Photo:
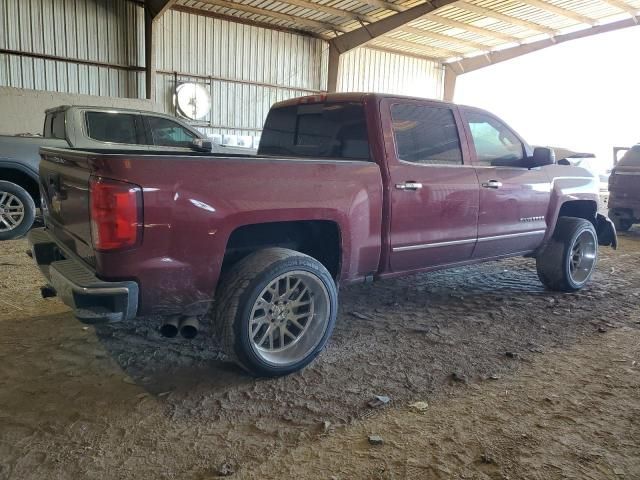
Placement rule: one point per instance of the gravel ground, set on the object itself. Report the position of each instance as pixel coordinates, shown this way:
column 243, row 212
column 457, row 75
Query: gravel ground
column 122, row 402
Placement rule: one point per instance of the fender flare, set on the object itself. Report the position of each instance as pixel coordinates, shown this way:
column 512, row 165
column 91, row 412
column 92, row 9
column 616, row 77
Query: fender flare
column 7, row 163
column 606, row 230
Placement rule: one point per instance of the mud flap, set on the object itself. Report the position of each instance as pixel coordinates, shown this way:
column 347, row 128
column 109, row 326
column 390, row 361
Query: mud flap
column 606, row 231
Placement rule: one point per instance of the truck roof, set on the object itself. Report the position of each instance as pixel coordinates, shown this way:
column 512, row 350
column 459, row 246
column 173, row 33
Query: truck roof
column 101, row 108
column 349, row 97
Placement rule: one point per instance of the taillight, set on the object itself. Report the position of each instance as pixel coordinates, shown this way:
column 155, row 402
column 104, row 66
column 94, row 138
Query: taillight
column 116, row 213
column 612, row 179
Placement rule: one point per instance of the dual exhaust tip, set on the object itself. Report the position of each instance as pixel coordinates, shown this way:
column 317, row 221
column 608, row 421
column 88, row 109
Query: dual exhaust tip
column 187, row 327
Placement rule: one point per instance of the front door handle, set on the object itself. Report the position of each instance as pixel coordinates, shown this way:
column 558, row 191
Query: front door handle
column 409, row 186
column 492, row 184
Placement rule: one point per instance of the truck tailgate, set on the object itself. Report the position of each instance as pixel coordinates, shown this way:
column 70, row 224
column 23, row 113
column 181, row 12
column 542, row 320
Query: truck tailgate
column 64, row 179
column 625, row 182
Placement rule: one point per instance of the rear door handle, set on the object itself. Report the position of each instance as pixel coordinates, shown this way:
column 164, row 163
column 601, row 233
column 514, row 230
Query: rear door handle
column 409, row 186
column 492, row 184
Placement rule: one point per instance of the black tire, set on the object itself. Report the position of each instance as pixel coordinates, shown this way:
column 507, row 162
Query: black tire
column 621, row 224
column 241, row 288
column 29, row 206
column 554, row 263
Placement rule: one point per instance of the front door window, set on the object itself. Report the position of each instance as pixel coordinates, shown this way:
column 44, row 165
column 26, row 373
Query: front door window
column 496, row 145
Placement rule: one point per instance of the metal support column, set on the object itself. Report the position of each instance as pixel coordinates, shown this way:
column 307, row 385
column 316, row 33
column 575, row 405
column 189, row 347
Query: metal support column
column 450, row 77
column 149, row 55
column 334, row 67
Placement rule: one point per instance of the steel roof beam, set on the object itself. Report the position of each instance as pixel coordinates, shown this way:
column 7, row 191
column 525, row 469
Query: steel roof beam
column 469, row 7
column 336, row 12
column 443, row 38
column 472, row 28
column 157, row 7
column 366, row 33
column 294, row 19
column 475, row 63
column 539, row 4
column 625, row 7
column 385, row 5
column 429, row 50
column 246, row 21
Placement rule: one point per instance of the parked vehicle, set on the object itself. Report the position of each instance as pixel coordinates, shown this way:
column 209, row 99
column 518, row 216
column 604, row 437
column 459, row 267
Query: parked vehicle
column 587, row 161
column 624, row 190
column 346, row 188
column 85, row 128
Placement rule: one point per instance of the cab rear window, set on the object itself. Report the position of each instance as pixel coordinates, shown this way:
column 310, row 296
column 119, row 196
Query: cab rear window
column 631, row 158
column 319, row 130
column 54, row 126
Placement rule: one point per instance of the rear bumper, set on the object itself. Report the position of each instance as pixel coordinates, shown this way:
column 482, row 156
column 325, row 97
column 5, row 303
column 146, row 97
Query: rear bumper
column 91, row 299
column 623, row 206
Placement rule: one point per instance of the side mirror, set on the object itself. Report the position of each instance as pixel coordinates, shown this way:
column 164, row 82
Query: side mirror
column 542, row 156
column 202, row 145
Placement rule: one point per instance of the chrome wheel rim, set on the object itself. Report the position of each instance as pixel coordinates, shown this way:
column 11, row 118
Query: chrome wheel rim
column 583, row 257
column 289, row 318
column 11, row 212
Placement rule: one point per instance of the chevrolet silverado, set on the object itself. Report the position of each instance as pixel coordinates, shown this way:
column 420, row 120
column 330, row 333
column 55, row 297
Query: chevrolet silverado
column 345, row 188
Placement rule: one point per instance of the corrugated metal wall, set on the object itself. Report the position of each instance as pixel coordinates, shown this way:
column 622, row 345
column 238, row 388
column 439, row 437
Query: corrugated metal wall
column 369, row 70
column 246, row 68
column 109, row 32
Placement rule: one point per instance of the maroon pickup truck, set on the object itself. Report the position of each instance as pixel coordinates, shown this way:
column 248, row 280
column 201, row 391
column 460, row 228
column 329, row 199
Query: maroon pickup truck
column 345, row 188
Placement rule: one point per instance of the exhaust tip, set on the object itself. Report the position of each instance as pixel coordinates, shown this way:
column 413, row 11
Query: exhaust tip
column 189, row 327
column 170, row 328
column 47, row 291
column 188, row 332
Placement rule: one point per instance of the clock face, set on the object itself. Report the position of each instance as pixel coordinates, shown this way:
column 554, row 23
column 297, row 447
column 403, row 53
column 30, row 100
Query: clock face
column 193, row 100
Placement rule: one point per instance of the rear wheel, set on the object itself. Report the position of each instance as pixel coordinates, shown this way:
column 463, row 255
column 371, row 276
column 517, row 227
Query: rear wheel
column 568, row 261
column 17, row 211
column 275, row 311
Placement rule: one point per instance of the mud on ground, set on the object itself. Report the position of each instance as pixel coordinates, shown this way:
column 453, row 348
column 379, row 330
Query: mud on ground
column 121, row 402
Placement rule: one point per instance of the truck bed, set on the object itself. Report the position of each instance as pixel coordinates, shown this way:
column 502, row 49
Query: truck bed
column 192, row 204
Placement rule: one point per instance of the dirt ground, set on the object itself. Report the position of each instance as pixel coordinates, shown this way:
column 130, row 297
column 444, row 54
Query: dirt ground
column 519, row 383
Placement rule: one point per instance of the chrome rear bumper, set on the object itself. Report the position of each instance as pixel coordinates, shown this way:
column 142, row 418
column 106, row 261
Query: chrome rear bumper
column 92, row 300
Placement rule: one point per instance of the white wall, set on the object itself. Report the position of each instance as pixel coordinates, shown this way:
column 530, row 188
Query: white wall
column 22, row 111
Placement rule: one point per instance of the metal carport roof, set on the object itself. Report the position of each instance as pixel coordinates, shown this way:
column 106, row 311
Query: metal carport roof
column 462, row 35
column 451, row 31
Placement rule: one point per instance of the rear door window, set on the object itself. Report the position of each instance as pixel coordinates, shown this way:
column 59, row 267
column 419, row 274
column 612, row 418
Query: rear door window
column 319, row 130
column 426, row 135
column 113, row 127
column 168, row 133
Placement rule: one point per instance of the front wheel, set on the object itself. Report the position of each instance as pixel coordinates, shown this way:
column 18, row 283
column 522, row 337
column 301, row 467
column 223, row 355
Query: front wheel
column 569, row 259
column 17, row 211
column 275, row 311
